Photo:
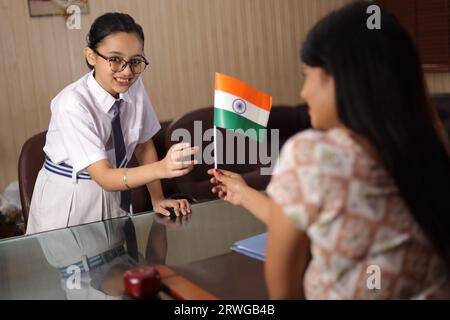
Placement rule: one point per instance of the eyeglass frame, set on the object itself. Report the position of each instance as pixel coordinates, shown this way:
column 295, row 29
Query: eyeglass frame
column 123, row 60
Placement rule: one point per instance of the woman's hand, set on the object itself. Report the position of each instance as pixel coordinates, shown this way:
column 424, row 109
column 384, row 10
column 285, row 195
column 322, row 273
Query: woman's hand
column 180, row 206
column 173, row 164
column 229, row 185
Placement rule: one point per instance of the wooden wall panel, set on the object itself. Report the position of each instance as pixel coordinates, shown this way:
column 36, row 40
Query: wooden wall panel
column 186, row 42
column 433, row 31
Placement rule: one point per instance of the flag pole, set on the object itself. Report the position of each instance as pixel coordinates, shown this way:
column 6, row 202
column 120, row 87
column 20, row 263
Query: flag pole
column 215, row 147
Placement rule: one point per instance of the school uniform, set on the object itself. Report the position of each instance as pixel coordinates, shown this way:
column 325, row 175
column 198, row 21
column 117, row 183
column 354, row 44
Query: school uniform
column 80, row 134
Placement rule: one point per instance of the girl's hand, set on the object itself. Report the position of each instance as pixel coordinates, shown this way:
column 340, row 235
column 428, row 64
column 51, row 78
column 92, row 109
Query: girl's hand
column 172, row 222
column 173, row 164
column 180, row 206
column 229, row 185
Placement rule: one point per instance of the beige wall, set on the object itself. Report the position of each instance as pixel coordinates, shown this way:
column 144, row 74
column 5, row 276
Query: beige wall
column 186, row 42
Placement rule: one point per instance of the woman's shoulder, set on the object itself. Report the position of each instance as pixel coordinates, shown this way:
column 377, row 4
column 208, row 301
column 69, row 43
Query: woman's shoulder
column 328, row 149
column 335, row 152
column 336, row 139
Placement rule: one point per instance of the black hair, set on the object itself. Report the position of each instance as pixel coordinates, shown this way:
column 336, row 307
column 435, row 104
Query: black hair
column 381, row 95
column 110, row 23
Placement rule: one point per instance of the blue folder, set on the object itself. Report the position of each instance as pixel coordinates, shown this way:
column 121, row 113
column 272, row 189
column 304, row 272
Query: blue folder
column 254, row 247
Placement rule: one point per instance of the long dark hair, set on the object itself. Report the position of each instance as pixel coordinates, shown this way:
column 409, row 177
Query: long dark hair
column 110, row 23
column 381, row 95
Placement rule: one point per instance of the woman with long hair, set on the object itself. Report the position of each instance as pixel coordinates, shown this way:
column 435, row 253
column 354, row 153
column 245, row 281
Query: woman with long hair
column 358, row 207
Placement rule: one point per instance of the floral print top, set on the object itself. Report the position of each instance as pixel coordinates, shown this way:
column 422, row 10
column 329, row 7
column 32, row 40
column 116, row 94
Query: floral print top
column 365, row 244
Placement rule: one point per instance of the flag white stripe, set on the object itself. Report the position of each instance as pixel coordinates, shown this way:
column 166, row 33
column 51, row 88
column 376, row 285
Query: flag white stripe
column 224, row 100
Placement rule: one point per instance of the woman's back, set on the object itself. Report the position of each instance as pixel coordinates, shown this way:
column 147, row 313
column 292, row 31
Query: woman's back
column 353, row 213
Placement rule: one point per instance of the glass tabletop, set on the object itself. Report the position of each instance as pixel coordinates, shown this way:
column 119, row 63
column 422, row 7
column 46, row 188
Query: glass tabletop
column 88, row 261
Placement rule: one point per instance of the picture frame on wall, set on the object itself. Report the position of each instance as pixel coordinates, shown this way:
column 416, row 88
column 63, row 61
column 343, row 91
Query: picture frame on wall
column 42, row 8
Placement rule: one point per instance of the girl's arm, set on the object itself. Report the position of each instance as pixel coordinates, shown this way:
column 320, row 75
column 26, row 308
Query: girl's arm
column 111, row 179
column 146, row 154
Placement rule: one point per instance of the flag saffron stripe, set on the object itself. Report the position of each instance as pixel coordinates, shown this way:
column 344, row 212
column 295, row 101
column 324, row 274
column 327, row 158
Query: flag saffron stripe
column 225, row 100
column 243, row 90
column 232, row 121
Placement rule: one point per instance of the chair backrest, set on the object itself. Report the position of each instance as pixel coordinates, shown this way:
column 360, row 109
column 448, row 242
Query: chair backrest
column 289, row 120
column 31, row 160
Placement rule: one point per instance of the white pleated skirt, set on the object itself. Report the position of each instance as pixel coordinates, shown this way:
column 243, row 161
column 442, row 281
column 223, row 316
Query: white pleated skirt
column 58, row 203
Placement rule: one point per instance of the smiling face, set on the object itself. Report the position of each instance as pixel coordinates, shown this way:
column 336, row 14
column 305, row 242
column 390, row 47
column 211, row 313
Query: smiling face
column 122, row 45
column 319, row 93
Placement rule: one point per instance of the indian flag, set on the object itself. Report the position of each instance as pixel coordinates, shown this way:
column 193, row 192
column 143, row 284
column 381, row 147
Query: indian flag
column 240, row 107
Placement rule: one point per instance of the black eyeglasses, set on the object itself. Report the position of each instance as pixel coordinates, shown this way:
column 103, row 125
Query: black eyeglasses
column 117, row 64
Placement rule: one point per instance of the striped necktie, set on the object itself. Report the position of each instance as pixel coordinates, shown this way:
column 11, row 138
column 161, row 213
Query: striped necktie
column 120, row 152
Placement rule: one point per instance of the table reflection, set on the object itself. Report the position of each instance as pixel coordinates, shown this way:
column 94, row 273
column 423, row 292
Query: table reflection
column 88, row 261
column 92, row 259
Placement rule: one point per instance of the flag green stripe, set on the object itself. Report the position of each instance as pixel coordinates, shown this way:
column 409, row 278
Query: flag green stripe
column 233, row 121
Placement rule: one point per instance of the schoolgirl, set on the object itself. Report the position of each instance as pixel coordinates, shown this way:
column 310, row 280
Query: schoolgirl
column 96, row 125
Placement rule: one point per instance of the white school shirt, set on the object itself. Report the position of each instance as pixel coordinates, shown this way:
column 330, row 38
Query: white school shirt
column 79, row 133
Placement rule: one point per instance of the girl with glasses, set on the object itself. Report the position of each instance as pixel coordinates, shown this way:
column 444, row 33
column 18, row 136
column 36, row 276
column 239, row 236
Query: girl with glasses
column 97, row 124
